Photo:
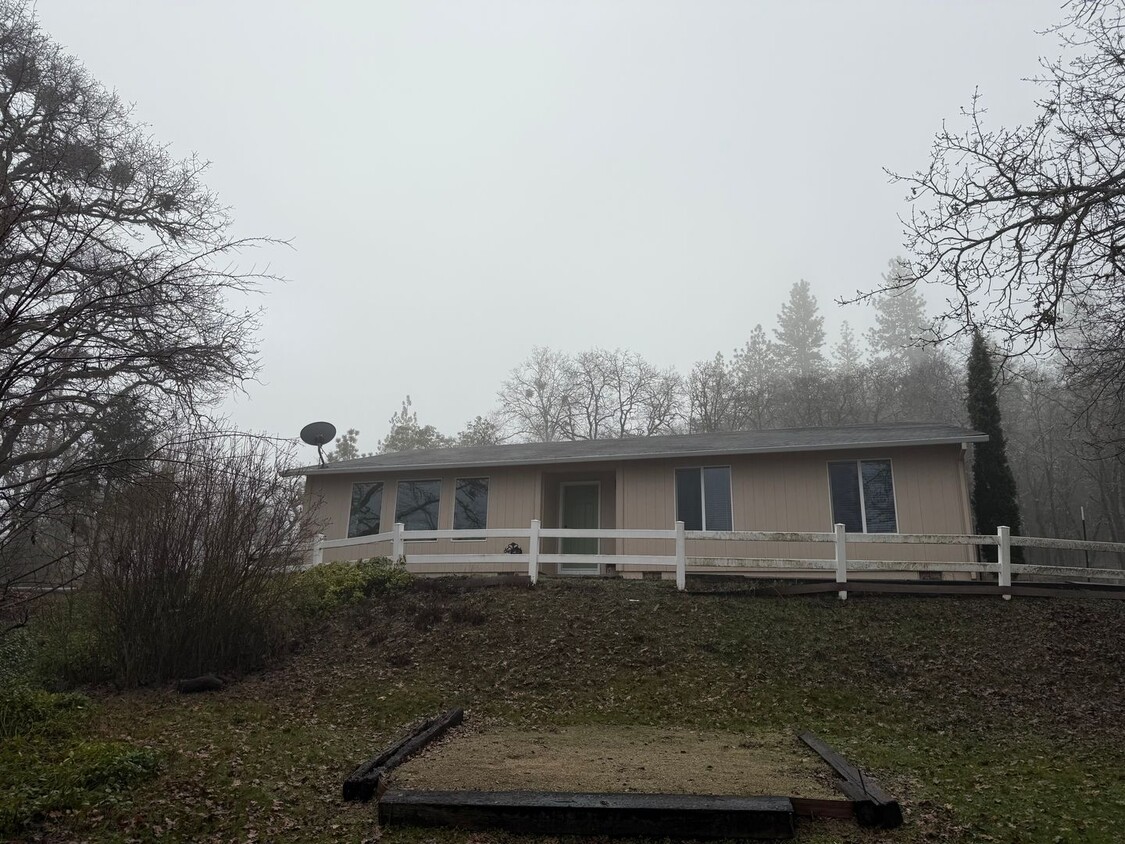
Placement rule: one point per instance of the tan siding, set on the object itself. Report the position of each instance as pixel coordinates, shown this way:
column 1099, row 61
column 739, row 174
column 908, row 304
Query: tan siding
column 512, row 502
column 770, row 492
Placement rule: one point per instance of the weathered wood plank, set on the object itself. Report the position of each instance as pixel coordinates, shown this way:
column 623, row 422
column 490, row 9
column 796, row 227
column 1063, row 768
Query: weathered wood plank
column 813, row 807
column 1068, row 544
column 369, row 778
column 873, row 806
column 760, row 535
column 600, row 814
column 1067, row 571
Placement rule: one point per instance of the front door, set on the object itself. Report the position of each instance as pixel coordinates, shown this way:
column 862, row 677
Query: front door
column 579, row 507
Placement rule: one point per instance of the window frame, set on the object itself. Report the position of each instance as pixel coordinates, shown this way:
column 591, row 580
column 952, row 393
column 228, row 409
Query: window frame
column 858, row 461
column 453, row 516
column 437, row 520
column 382, row 492
column 703, row 493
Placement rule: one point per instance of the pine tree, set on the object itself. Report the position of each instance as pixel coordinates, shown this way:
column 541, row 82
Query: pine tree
column 800, row 332
column 900, row 319
column 407, row 435
column 995, row 501
column 846, row 354
column 755, row 369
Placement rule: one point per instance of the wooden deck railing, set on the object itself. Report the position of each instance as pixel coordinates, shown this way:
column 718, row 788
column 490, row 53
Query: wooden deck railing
column 679, row 561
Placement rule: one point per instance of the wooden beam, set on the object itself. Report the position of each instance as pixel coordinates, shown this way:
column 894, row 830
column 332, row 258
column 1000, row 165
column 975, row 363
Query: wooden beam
column 369, row 779
column 563, row 813
column 811, row 807
column 873, row 806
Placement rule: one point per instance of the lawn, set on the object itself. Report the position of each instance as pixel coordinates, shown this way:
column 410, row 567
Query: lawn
column 991, row 720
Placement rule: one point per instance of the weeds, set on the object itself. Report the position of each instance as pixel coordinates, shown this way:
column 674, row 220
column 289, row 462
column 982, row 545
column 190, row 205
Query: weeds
column 45, row 763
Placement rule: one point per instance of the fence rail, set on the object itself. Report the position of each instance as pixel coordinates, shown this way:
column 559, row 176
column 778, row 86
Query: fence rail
column 681, row 563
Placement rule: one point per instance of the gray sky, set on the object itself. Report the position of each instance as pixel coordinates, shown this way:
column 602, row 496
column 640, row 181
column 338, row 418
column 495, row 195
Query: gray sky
column 464, row 180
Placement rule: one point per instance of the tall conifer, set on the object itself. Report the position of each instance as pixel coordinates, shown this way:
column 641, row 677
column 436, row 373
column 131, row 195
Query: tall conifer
column 995, row 501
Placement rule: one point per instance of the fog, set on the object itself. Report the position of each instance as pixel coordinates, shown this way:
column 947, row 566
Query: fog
column 459, row 182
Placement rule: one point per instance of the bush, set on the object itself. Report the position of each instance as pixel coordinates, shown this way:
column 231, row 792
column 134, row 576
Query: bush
column 45, row 766
column 191, row 563
column 27, row 712
column 70, row 642
column 323, row 589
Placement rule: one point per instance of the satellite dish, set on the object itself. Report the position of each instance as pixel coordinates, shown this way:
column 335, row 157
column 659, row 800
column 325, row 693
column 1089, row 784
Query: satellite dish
column 318, row 434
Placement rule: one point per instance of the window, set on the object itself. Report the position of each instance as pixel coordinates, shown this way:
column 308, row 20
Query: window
column 470, row 508
column 703, row 498
column 367, row 501
column 417, row 504
column 863, row 496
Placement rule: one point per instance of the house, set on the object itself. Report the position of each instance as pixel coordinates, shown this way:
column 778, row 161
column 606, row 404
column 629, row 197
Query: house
column 901, row 478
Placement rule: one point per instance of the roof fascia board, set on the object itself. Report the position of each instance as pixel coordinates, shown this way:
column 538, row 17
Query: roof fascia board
column 555, row 461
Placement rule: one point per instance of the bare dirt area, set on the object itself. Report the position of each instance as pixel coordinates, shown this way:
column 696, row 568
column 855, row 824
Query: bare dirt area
column 619, row 758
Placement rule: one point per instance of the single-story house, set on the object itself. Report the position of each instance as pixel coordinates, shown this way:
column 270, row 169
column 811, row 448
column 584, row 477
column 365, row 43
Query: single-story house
column 900, row 478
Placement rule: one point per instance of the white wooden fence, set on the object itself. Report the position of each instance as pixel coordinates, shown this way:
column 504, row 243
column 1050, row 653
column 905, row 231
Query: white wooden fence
column 681, row 563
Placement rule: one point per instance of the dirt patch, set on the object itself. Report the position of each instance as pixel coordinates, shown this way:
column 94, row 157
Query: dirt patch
column 602, row 758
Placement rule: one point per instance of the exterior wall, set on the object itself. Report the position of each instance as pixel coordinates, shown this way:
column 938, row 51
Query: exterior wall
column 790, row 492
column 769, row 492
column 513, row 501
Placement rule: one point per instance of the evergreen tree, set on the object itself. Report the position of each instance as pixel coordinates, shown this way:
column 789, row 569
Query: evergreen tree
column 347, row 448
column 407, row 435
column 995, row 501
column 800, row 332
column 900, row 319
column 755, row 367
column 846, row 354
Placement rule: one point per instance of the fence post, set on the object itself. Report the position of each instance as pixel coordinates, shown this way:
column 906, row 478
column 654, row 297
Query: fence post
column 396, row 542
column 841, row 561
column 681, row 557
column 317, row 549
column 533, row 552
column 1003, row 535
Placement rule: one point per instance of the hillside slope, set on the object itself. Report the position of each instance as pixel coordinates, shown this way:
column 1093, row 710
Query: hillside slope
column 992, row 720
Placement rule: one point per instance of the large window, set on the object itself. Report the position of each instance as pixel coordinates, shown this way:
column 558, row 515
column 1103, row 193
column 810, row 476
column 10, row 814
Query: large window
column 417, row 504
column 703, row 498
column 470, row 509
column 367, row 501
column 863, row 496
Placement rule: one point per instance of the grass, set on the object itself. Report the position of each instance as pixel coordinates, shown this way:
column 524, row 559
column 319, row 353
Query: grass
column 993, row 721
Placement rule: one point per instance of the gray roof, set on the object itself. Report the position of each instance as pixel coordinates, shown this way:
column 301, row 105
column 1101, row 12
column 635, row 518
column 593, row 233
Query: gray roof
column 641, row 448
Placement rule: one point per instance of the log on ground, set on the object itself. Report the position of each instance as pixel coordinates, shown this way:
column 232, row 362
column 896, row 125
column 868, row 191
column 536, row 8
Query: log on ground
column 369, row 778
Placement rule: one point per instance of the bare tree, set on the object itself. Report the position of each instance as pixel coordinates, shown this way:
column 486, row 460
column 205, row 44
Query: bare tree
column 115, row 288
column 715, row 395
column 619, row 394
column 1025, row 226
column 535, row 401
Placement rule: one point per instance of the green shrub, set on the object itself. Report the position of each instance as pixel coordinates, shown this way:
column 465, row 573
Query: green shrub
column 17, row 656
column 322, row 589
column 46, row 766
column 71, row 641
column 26, row 712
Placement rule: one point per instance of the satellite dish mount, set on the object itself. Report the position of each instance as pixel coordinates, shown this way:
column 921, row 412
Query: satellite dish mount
column 318, row 434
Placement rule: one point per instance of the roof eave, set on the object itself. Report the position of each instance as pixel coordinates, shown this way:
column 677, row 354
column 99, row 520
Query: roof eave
column 554, row 461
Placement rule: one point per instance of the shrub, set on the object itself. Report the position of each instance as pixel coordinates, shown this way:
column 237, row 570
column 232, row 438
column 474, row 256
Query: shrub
column 69, row 641
column 190, row 564
column 322, row 589
column 28, row 712
column 45, row 766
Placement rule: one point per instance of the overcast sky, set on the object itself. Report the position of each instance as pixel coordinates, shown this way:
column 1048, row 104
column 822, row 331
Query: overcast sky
column 464, row 180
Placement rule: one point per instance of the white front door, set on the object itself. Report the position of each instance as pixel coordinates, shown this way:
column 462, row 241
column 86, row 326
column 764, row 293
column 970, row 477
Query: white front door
column 579, row 507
